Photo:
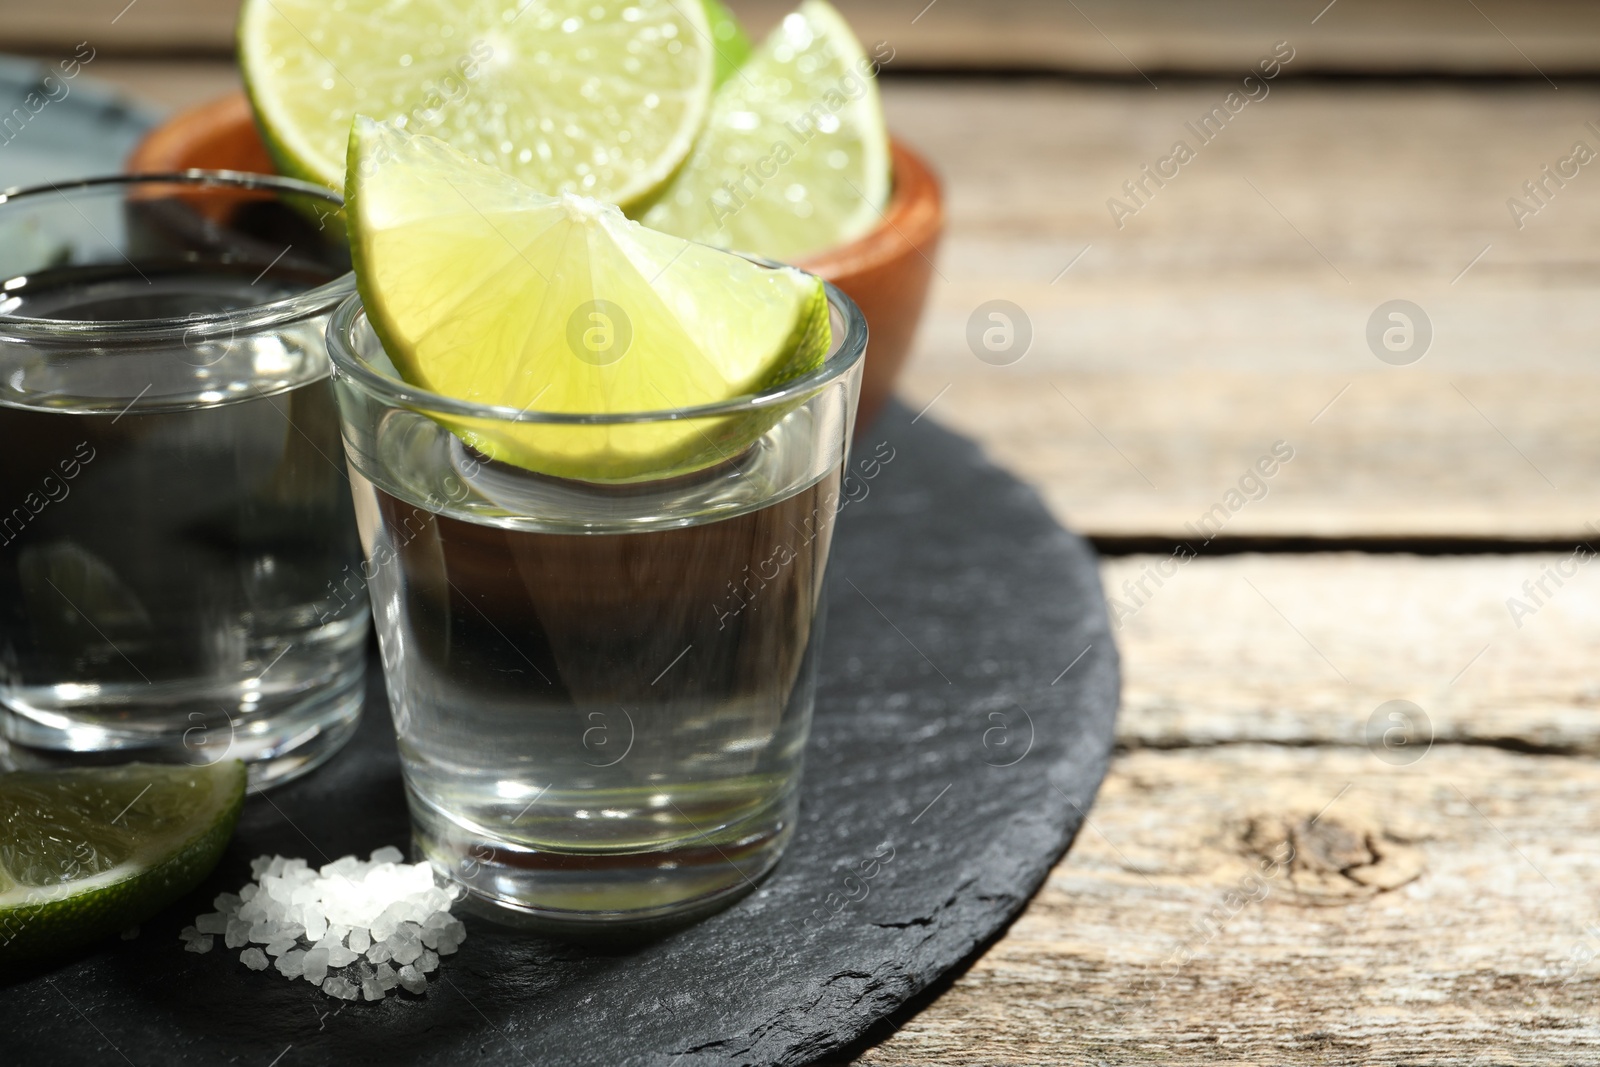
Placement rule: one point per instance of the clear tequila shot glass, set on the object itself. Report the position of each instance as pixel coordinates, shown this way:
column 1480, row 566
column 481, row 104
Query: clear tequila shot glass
column 601, row 692
column 179, row 568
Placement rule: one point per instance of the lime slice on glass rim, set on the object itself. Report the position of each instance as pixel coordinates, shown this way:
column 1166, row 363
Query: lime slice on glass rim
column 600, row 97
column 795, row 155
column 86, row 853
column 483, row 289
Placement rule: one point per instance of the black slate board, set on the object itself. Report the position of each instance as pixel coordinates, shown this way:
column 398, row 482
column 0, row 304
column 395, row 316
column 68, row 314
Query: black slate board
column 952, row 743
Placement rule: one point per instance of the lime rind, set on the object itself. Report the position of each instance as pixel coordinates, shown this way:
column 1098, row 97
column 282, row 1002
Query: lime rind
column 601, row 97
column 144, row 853
column 795, row 154
column 487, row 291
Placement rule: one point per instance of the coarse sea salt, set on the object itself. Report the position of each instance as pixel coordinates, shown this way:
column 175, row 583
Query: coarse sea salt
column 337, row 926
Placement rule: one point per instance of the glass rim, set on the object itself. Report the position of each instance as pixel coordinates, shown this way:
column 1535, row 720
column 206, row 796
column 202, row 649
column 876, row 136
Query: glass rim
column 845, row 354
column 174, row 328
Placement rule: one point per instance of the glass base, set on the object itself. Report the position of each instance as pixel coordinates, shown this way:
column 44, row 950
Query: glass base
column 281, row 734
column 572, row 892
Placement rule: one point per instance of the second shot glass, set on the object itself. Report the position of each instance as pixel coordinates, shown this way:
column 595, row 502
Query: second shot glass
column 178, row 558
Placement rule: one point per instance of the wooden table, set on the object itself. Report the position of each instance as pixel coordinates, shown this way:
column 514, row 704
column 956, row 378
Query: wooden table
column 1277, row 871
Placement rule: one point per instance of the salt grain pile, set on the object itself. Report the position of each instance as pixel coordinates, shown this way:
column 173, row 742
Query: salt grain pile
column 351, row 928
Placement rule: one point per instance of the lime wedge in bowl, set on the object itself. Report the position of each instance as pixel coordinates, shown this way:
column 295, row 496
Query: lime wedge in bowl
column 485, row 290
column 600, row 97
column 795, row 155
column 86, row 853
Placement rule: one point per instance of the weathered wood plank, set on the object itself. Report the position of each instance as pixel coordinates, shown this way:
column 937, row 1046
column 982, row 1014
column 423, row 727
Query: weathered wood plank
column 1121, row 39
column 1471, row 938
column 1168, row 936
column 1305, row 650
column 1233, row 307
column 1271, row 247
column 1403, row 452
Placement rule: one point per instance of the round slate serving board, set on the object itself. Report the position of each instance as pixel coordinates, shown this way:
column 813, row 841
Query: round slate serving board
column 964, row 723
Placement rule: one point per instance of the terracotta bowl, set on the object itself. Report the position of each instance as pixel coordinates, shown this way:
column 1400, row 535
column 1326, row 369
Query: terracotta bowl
column 887, row 271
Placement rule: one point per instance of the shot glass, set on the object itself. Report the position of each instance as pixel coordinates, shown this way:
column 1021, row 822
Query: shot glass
column 601, row 692
column 179, row 569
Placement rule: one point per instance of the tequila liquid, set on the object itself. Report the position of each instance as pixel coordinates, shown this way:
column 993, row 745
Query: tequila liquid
column 173, row 526
column 598, row 715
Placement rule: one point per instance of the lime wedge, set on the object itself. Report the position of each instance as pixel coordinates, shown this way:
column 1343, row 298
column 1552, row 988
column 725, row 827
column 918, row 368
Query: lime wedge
column 86, row 853
column 486, row 290
column 728, row 40
column 795, row 156
column 600, row 97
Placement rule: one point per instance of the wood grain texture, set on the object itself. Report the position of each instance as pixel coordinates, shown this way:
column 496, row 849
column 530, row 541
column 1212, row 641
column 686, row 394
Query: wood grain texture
column 1232, row 309
column 1404, row 454
column 1152, row 943
column 1303, row 650
column 1122, row 38
column 1437, row 909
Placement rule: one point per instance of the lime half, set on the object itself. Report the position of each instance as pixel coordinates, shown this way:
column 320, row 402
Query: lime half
column 86, row 853
column 600, row 97
column 488, row 291
column 795, row 155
